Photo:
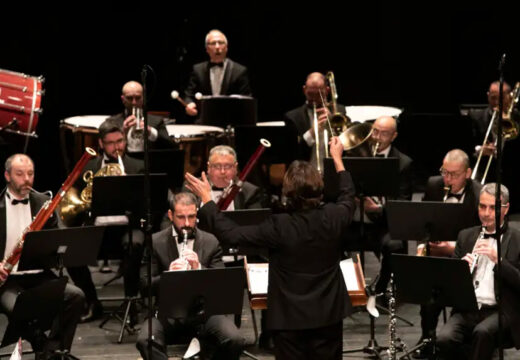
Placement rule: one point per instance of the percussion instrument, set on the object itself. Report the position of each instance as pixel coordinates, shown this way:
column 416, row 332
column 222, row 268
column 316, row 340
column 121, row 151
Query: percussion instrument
column 368, row 113
column 78, row 132
column 195, row 140
column 20, row 100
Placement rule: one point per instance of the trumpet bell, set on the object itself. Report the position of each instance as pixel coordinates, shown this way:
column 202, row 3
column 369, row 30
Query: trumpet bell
column 356, row 140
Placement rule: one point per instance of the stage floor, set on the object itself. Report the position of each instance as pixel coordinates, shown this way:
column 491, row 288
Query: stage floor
column 91, row 342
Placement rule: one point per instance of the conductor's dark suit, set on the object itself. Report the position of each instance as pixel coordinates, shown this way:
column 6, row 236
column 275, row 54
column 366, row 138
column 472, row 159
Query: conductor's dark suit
column 74, row 298
column 306, row 291
column 235, row 81
column 481, row 328
column 219, row 329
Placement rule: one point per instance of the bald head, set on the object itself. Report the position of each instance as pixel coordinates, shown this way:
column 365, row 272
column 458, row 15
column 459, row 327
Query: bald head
column 457, row 156
column 384, row 131
column 132, row 95
column 315, row 83
column 455, row 170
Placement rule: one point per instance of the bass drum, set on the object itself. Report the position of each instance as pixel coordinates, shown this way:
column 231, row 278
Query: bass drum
column 20, row 101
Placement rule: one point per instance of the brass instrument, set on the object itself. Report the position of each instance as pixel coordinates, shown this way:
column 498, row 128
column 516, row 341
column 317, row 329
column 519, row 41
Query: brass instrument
column 356, row 140
column 338, row 122
column 447, row 190
column 317, row 135
column 74, row 206
column 510, row 131
column 376, row 148
column 137, row 132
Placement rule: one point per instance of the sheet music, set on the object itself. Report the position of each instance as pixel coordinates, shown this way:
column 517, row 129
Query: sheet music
column 258, row 278
column 349, row 274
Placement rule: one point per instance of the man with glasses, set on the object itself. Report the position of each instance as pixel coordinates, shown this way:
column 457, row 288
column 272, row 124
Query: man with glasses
column 132, row 98
column 218, row 76
column 455, row 175
column 112, row 143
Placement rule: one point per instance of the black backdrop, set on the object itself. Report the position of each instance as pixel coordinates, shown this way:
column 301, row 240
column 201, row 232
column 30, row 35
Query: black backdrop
column 424, row 57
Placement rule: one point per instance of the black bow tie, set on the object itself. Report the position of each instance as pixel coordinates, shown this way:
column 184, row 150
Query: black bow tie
column 380, row 155
column 456, row 196
column 23, row 201
column 220, row 64
column 214, row 188
column 111, row 161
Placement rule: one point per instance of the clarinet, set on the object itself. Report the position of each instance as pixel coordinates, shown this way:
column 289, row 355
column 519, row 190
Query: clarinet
column 392, row 324
column 183, row 246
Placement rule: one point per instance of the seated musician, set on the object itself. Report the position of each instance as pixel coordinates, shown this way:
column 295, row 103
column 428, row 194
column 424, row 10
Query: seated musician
column 219, row 332
column 384, row 132
column 306, row 296
column 473, row 335
column 301, row 118
column 455, row 176
column 18, row 204
column 132, row 98
column 113, row 145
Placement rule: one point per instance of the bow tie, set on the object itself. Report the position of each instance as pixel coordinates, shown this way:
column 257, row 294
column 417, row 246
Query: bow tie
column 111, row 161
column 456, row 196
column 220, row 64
column 380, row 155
column 214, row 188
column 23, row 201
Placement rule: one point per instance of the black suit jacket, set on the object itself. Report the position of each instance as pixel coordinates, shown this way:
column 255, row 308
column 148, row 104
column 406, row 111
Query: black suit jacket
column 165, row 251
column 510, row 255
column 236, row 80
column 405, row 174
column 163, row 140
column 36, row 200
column 298, row 122
column 306, row 287
column 435, row 192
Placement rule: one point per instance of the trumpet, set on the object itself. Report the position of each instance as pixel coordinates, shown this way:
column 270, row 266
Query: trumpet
column 137, row 131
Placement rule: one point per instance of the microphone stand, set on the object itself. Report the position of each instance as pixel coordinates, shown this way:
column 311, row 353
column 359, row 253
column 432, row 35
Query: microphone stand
column 146, row 223
column 498, row 204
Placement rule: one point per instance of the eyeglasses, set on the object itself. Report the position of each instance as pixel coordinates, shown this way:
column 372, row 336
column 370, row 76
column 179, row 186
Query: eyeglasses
column 451, row 174
column 220, row 167
column 382, row 133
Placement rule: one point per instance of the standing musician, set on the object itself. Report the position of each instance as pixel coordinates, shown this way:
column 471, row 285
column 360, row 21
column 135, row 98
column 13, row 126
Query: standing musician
column 474, row 245
column 384, row 132
column 132, row 98
column 218, row 76
column 301, row 118
column 454, row 185
column 202, row 250
column 306, row 295
column 113, row 143
column 18, row 204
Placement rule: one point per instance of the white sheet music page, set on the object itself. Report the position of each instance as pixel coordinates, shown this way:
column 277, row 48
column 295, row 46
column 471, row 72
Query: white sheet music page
column 349, row 274
column 258, row 278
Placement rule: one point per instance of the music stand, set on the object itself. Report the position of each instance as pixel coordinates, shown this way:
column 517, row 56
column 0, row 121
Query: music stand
column 433, row 280
column 57, row 248
column 35, row 308
column 128, row 200
column 366, row 173
column 224, row 111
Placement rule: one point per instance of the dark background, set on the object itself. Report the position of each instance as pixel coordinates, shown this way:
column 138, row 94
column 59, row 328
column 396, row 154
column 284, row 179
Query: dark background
column 426, row 58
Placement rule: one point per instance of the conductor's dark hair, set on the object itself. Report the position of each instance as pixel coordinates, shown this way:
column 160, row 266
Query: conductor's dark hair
column 109, row 126
column 302, row 186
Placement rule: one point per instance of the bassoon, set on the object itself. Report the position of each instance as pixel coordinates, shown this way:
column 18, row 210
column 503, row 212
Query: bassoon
column 46, row 211
column 231, row 191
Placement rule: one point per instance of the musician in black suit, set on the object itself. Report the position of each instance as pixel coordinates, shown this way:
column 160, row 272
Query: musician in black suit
column 18, row 205
column 455, row 175
column 132, row 97
column 113, row 144
column 201, row 251
column 306, row 296
column 218, row 76
column 300, row 120
column 479, row 329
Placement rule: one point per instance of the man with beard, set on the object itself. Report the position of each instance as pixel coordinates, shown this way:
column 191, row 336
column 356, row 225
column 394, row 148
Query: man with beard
column 201, row 251
column 18, row 204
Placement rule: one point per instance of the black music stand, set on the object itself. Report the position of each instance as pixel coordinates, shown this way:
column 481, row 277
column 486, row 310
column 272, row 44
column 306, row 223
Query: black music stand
column 59, row 248
column 224, row 111
column 433, row 280
column 200, row 294
column 366, row 173
column 35, row 309
column 128, row 200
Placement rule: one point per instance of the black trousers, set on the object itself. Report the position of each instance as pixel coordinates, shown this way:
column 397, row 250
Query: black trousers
column 388, row 247
column 313, row 344
column 73, row 303
column 219, row 337
column 471, row 335
column 119, row 248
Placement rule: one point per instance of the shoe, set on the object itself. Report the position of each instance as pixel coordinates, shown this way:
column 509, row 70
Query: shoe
column 94, row 312
column 105, row 268
column 265, row 342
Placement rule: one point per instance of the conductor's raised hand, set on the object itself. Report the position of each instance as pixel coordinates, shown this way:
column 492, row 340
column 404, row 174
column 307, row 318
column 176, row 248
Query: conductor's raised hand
column 336, row 151
column 199, row 187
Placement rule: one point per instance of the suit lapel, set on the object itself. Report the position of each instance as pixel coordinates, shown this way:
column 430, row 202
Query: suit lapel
column 3, row 224
column 173, row 252
column 226, row 80
column 505, row 244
